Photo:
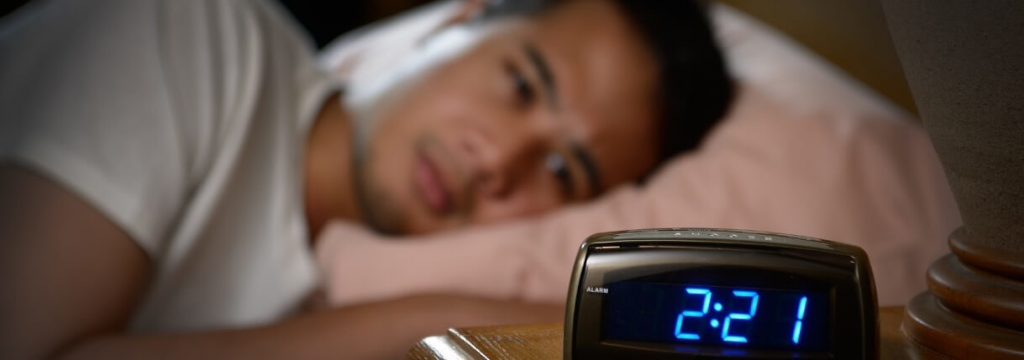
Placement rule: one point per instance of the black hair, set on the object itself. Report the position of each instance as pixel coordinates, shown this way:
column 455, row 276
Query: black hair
column 695, row 87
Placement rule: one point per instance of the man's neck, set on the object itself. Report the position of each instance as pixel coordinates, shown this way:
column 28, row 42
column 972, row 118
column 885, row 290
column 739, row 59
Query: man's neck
column 329, row 187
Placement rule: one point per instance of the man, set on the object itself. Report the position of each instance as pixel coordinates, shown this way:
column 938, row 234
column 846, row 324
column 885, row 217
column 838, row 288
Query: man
column 166, row 163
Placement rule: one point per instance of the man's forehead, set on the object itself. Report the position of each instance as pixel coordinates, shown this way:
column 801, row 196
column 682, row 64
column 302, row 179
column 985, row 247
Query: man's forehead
column 608, row 80
column 581, row 11
column 604, row 70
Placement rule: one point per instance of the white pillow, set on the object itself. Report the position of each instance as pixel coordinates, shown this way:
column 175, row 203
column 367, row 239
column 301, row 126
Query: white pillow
column 763, row 57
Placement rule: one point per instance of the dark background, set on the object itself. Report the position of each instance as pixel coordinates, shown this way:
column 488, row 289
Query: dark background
column 326, row 20
column 323, row 19
column 851, row 34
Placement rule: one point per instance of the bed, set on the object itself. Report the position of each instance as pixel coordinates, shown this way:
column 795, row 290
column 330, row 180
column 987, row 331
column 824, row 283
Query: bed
column 807, row 149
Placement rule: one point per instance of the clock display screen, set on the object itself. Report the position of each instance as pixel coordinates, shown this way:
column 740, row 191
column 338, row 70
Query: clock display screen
column 717, row 316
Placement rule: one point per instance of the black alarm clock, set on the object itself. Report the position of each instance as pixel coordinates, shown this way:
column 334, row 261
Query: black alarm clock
column 716, row 293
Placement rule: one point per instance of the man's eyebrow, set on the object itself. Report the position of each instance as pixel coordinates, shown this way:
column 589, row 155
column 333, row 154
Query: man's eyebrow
column 590, row 170
column 577, row 151
column 547, row 78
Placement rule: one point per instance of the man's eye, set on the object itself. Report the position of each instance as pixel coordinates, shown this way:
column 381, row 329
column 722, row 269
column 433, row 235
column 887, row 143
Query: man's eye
column 524, row 91
column 556, row 165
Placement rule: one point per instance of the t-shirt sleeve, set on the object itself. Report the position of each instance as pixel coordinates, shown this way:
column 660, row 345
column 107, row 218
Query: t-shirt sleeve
column 85, row 101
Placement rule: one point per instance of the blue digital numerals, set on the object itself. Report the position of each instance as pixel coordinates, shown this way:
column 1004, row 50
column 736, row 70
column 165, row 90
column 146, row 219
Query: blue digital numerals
column 751, row 312
column 703, row 315
column 799, row 323
column 705, row 300
column 706, row 294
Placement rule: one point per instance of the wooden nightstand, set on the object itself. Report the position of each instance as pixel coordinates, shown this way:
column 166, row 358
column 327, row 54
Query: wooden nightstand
column 545, row 341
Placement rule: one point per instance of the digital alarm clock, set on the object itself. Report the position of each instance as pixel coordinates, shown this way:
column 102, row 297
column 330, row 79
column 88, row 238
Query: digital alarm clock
column 713, row 293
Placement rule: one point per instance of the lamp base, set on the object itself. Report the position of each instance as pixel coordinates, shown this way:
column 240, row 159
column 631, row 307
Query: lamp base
column 938, row 330
column 969, row 311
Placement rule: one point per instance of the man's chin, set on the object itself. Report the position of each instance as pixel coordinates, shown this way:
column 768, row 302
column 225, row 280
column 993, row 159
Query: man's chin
column 380, row 212
column 384, row 222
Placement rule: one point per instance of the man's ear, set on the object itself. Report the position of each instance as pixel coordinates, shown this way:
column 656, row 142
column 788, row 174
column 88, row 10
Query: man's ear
column 462, row 11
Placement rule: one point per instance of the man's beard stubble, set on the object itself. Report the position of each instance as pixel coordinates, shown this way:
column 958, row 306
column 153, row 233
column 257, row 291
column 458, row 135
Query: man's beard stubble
column 380, row 211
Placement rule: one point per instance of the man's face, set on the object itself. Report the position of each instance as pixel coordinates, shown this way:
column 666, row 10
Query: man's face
column 540, row 112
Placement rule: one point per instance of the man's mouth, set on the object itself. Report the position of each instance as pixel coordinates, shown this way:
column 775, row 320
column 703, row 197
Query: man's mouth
column 431, row 187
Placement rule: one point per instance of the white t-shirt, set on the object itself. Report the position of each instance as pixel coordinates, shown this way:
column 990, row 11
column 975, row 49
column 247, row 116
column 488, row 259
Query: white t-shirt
column 184, row 122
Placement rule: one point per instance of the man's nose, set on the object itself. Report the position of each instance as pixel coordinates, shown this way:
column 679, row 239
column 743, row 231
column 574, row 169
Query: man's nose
column 506, row 155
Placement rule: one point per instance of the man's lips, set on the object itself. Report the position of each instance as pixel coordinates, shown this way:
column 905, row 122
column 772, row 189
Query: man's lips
column 431, row 187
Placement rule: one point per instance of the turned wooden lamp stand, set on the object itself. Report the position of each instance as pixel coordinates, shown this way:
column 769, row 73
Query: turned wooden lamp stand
column 965, row 66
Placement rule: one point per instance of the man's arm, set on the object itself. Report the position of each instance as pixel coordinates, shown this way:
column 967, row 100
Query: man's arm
column 70, row 280
column 383, row 330
column 66, row 271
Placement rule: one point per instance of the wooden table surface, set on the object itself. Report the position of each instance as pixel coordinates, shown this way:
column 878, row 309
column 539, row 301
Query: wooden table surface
column 545, row 341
